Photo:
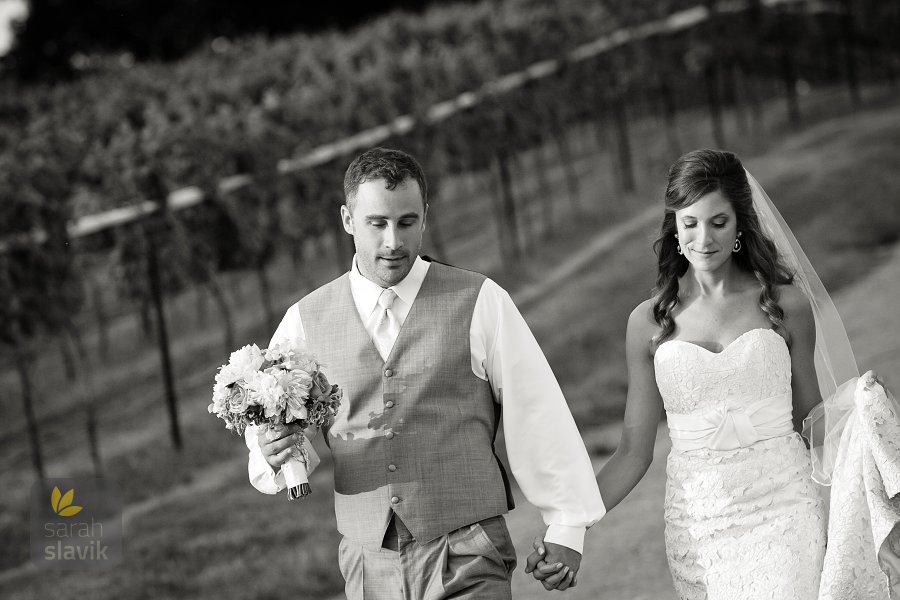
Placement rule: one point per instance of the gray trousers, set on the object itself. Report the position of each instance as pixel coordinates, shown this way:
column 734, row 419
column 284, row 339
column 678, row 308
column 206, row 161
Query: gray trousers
column 475, row 561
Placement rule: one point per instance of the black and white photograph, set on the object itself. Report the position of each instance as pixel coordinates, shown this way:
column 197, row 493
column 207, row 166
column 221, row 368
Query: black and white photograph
column 463, row 299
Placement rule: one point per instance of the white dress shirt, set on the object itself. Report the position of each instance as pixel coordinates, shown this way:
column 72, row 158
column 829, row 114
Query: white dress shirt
column 546, row 453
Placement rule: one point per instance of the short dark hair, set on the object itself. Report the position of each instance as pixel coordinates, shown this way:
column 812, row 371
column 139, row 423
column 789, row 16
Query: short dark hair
column 394, row 166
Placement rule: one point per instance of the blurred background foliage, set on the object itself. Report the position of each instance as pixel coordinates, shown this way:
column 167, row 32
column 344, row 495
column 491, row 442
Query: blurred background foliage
column 117, row 104
column 166, row 30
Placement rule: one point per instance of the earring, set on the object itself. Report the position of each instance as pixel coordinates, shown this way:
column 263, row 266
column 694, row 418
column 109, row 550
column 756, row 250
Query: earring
column 678, row 248
column 737, row 245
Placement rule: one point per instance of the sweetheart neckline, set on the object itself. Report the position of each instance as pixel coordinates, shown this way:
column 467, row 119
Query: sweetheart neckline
column 723, row 350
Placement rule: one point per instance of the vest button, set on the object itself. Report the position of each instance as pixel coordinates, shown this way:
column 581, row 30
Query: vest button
column 392, row 468
column 389, row 404
column 395, row 500
column 388, row 373
column 389, row 435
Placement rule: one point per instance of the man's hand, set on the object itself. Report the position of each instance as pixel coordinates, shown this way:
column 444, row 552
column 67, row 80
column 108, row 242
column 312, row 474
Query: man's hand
column 276, row 452
column 553, row 565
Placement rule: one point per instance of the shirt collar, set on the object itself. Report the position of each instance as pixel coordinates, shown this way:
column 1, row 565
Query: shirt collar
column 366, row 292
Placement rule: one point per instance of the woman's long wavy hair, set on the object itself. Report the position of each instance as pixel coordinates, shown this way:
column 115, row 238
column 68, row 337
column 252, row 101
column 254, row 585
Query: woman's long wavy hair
column 691, row 177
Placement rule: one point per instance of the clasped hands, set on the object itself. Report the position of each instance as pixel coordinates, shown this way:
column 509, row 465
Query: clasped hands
column 555, row 566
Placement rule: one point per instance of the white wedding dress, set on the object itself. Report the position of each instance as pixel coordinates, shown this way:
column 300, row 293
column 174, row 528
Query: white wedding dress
column 744, row 520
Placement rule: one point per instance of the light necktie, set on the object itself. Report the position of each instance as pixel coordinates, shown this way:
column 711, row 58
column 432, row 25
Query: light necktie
column 387, row 327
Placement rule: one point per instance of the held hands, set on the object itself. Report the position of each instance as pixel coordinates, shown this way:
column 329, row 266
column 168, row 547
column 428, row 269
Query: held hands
column 278, row 451
column 553, row 565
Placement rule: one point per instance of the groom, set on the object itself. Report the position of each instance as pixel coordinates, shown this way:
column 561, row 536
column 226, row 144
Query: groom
column 427, row 356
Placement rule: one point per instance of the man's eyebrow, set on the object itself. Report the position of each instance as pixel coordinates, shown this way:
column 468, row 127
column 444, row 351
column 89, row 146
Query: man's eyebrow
column 411, row 215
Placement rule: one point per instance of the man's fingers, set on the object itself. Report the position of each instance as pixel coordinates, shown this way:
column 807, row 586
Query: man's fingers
column 537, row 556
column 284, row 432
column 566, row 583
column 272, row 447
column 282, row 456
column 537, row 573
column 554, row 580
column 549, row 568
column 279, row 458
column 543, row 570
column 532, row 561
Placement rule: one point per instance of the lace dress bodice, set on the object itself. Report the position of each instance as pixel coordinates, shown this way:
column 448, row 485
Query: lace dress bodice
column 692, row 379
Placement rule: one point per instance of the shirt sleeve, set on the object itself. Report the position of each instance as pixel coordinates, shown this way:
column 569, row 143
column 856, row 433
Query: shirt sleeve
column 546, row 453
column 262, row 476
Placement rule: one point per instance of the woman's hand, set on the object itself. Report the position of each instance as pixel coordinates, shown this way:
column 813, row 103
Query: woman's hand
column 871, row 378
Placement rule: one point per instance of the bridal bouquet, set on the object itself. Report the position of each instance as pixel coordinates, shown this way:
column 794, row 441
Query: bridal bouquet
column 274, row 387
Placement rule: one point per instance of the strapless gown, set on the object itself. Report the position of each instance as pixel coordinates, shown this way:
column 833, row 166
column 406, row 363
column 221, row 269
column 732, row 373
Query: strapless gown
column 744, row 520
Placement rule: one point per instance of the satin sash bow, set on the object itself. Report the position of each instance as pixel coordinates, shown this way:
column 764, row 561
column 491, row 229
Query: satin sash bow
column 732, row 424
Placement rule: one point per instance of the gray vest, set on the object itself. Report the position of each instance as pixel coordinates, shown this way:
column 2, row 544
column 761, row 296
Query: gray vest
column 415, row 433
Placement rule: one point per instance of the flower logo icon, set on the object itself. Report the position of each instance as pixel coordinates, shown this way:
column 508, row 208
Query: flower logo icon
column 62, row 503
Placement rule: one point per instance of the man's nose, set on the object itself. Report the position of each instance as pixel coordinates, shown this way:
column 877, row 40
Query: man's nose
column 392, row 238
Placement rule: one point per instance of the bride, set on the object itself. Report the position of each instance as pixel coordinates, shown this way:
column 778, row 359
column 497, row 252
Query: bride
column 727, row 346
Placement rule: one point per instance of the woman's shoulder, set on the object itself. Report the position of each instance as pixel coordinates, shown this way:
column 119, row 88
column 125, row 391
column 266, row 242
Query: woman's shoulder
column 643, row 312
column 640, row 332
column 641, row 321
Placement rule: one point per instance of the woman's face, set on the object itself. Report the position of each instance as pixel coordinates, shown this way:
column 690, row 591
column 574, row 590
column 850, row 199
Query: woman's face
column 707, row 230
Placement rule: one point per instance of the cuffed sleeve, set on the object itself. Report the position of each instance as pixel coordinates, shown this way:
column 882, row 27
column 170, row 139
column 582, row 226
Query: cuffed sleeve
column 570, row 537
column 546, row 453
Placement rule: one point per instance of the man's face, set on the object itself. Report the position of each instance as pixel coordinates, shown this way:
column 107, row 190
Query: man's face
column 387, row 227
